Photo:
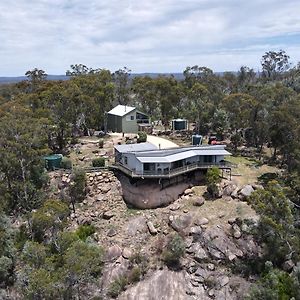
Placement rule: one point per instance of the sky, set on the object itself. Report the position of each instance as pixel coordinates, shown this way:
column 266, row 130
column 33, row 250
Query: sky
column 162, row 36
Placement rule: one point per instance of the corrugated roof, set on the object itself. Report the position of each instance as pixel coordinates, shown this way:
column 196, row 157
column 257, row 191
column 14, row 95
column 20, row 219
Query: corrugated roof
column 171, row 151
column 135, row 147
column 121, row 110
column 181, row 155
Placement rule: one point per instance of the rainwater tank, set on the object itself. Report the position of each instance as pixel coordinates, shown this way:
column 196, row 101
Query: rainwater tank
column 52, row 161
column 196, row 139
column 179, row 124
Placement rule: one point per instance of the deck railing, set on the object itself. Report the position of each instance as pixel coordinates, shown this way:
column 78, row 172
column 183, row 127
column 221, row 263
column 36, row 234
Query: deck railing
column 167, row 173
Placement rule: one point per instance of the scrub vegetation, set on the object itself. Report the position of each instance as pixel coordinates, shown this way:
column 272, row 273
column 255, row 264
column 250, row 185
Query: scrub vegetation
column 257, row 114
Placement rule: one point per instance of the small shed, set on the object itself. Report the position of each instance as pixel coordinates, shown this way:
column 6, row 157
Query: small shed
column 179, row 124
column 123, row 118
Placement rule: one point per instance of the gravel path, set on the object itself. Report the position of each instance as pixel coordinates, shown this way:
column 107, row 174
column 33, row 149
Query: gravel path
column 160, row 142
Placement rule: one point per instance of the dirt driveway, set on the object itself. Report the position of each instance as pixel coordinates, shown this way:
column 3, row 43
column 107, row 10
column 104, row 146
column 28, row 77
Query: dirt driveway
column 160, row 142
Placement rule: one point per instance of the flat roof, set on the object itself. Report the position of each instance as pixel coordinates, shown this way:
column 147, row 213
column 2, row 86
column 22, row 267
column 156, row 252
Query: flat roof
column 172, row 151
column 135, row 147
column 181, row 155
column 147, row 152
column 121, row 110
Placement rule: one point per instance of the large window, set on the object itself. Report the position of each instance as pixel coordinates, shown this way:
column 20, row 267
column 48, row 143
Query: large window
column 208, row 158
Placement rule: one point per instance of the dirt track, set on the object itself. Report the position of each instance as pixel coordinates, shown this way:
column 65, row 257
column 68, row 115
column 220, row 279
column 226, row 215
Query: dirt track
column 160, row 142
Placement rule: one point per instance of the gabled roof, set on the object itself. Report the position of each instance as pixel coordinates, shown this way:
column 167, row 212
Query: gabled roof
column 121, row 110
column 135, row 147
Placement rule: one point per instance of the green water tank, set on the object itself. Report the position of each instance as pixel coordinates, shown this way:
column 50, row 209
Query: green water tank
column 52, row 161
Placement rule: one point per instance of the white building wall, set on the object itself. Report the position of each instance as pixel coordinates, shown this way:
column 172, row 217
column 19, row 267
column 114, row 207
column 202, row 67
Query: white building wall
column 132, row 162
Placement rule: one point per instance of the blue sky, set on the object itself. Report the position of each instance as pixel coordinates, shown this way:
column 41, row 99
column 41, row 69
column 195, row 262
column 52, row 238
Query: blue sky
column 144, row 35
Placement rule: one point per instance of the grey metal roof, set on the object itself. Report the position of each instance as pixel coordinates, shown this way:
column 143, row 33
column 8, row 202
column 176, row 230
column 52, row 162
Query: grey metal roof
column 172, row 151
column 135, row 147
column 121, row 110
column 181, row 155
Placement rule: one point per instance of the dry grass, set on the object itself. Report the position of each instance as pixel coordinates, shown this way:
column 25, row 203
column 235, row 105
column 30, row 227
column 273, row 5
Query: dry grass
column 220, row 210
column 87, row 149
column 248, row 170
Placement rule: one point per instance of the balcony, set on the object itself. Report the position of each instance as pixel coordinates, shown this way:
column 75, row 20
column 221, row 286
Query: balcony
column 169, row 173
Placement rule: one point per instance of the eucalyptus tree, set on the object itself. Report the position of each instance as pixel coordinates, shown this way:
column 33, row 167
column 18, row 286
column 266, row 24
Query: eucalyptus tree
column 23, row 141
column 274, row 64
column 121, row 79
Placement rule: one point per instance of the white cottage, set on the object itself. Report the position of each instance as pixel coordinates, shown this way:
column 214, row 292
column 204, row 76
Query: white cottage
column 145, row 160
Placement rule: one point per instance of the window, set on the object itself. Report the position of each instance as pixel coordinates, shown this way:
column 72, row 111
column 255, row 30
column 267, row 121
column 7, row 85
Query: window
column 130, row 118
column 125, row 160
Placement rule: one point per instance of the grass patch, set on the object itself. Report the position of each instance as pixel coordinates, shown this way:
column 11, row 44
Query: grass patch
column 248, row 169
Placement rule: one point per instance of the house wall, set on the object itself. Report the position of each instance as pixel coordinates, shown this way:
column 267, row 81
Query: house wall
column 129, row 125
column 114, row 123
column 132, row 162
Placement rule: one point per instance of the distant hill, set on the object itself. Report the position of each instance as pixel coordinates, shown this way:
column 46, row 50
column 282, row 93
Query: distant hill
column 21, row 78
column 178, row 76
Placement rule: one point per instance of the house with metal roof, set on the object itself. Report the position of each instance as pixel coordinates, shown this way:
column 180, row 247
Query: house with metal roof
column 146, row 161
column 123, row 118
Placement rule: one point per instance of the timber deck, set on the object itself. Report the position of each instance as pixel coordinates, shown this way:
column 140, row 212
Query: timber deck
column 173, row 172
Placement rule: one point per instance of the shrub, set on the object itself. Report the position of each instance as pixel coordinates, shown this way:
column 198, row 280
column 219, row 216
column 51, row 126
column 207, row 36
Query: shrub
column 117, row 286
column 174, row 251
column 142, row 137
column 34, row 254
column 74, row 140
column 85, row 231
column 6, row 268
column 135, row 274
column 22, row 236
column 101, row 143
column 213, row 190
column 139, row 260
column 50, row 218
column 236, row 140
column 78, row 186
column 213, row 175
column 98, row 162
column 276, row 284
column 66, row 163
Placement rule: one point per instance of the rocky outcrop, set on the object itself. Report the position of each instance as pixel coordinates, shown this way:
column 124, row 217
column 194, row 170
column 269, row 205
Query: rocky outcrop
column 199, row 201
column 180, row 223
column 245, row 192
column 148, row 193
column 162, row 285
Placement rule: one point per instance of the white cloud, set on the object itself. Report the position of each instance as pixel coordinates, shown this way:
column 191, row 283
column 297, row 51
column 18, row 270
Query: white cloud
column 153, row 36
